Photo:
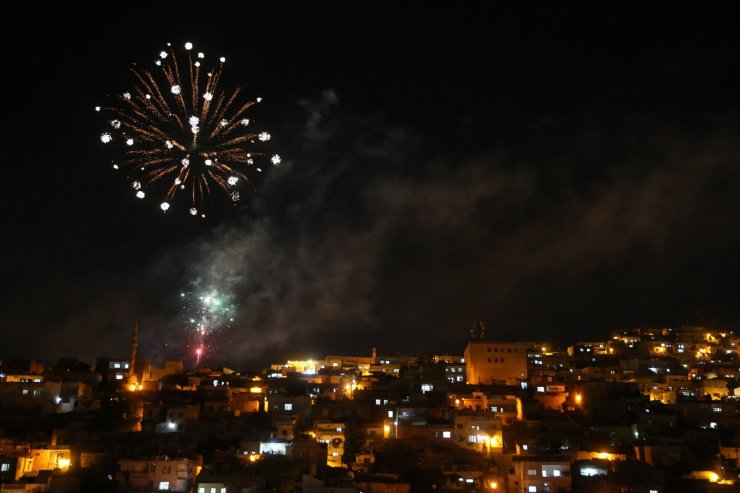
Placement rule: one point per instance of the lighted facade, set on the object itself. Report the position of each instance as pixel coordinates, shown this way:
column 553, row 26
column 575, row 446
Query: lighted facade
column 495, row 362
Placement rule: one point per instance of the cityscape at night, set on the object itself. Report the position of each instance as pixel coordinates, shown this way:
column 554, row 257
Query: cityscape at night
column 351, row 247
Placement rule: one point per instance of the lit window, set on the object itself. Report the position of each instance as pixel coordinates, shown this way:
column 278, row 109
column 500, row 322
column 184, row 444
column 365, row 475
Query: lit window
column 533, row 472
column 335, row 454
column 556, row 473
column 116, row 365
column 532, row 489
column 390, row 414
column 377, row 402
column 288, row 406
column 223, row 490
column 524, row 447
column 24, row 392
column 164, row 485
column 446, row 434
column 201, row 490
column 119, row 376
column 4, row 467
column 213, row 490
column 716, row 409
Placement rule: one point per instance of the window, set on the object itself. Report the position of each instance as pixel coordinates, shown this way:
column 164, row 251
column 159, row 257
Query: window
column 377, row 402
column 24, row 392
column 556, row 473
column 532, row 489
column 213, row 490
column 164, row 485
column 532, row 472
column 223, row 490
column 716, row 409
column 489, row 360
column 446, row 434
column 116, row 365
column 524, row 447
column 4, row 467
column 288, row 406
column 390, row 414
column 335, row 454
column 201, row 490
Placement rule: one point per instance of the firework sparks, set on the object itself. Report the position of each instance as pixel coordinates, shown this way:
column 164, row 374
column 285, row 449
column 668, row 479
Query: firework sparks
column 176, row 112
column 205, row 313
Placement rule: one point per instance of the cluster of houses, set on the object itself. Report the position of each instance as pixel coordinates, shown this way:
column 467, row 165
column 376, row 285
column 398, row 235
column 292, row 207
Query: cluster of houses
column 648, row 410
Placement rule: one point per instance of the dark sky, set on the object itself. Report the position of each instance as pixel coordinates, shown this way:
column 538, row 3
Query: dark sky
column 556, row 173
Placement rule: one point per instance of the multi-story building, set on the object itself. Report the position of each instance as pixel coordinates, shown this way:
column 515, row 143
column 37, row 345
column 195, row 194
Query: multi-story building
column 159, row 474
column 532, row 474
column 495, row 362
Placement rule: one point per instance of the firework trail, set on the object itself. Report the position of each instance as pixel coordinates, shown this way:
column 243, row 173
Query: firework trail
column 181, row 134
column 205, row 312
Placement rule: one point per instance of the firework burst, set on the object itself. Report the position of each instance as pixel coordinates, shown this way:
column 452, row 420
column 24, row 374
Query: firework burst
column 205, row 312
column 183, row 135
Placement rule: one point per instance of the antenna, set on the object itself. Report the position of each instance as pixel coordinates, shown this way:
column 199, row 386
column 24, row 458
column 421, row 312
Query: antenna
column 477, row 330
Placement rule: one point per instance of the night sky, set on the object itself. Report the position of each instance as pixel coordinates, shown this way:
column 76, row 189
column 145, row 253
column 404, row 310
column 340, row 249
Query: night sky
column 556, row 173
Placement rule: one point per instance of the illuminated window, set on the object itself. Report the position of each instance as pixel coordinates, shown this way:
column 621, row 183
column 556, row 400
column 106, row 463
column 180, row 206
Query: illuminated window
column 4, row 467
column 119, row 376
column 116, row 365
column 223, row 490
column 390, row 414
column 24, row 392
column 524, row 447
column 288, row 406
column 533, row 472
column 335, row 454
column 556, row 473
column 716, row 409
column 532, row 489
column 201, row 490
column 446, row 434
column 164, row 485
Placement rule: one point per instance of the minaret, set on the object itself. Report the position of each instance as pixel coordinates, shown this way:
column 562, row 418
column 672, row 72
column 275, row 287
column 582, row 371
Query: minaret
column 134, row 345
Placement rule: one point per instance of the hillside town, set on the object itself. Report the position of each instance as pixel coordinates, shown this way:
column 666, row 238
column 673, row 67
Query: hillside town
column 649, row 410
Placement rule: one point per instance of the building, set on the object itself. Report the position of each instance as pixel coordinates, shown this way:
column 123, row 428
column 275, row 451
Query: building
column 495, row 362
column 158, row 474
column 532, row 474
